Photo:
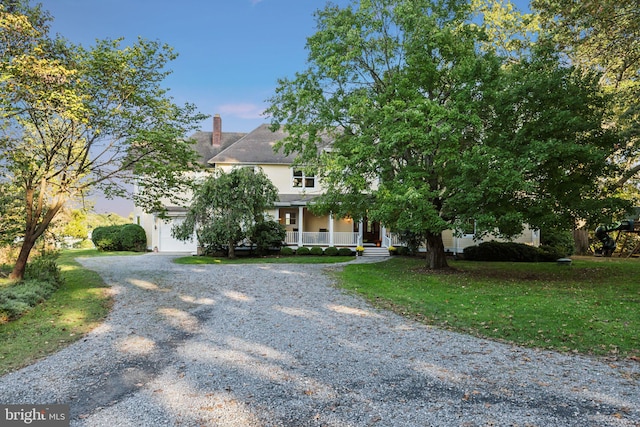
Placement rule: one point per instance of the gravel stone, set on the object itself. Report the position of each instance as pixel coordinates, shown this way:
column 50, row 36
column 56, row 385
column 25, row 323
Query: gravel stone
column 279, row 345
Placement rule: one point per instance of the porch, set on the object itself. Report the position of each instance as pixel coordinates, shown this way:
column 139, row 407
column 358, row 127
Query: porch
column 303, row 228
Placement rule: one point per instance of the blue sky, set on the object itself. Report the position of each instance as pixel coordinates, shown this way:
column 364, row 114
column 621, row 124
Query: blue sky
column 231, row 52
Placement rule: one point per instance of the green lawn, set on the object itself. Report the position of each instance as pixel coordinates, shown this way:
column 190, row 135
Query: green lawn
column 591, row 307
column 80, row 304
column 306, row 259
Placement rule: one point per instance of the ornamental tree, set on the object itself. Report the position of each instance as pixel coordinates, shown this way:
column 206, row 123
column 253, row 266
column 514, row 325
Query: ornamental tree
column 75, row 119
column 226, row 208
column 431, row 129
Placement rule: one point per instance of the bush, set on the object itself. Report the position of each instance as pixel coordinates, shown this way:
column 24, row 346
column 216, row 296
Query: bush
column 402, row 250
column 331, row 251
column 345, row 252
column 44, row 269
column 549, row 253
column 266, row 235
column 127, row 237
column 42, row 278
column 133, row 238
column 502, row 251
column 106, row 238
column 286, row 251
column 302, row 251
column 316, row 250
column 560, row 240
column 412, row 240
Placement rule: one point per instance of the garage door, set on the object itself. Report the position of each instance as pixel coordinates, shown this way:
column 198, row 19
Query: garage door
column 170, row 244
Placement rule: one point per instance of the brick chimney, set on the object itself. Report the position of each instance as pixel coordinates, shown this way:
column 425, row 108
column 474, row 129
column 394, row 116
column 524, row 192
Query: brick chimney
column 216, row 138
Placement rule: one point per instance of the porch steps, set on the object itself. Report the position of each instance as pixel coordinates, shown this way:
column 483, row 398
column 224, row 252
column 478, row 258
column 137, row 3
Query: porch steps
column 375, row 251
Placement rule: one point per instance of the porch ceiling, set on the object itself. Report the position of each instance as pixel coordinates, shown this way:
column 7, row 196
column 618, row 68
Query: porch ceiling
column 294, row 200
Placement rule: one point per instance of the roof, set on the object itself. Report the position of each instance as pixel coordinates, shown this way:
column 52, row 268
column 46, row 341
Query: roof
column 207, row 150
column 254, row 148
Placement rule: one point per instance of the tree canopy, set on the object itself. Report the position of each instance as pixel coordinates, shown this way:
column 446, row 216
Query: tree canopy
column 431, row 129
column 604, row 36
column 75, row 119
column 227, row 207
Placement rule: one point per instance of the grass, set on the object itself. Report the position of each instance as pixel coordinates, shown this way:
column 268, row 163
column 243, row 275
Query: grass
column 80, row 304
column 307, row 259
column 590, row 307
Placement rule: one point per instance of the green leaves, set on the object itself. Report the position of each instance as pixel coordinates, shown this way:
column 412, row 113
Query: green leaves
column 440, row 120
column 76, row 118
column 226, row 207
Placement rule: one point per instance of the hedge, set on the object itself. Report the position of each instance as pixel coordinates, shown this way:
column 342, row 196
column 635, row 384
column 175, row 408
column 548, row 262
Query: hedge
column 345, row 252
column 512, row 252
column 127, row 237
column 331, row 251
column 316, row 250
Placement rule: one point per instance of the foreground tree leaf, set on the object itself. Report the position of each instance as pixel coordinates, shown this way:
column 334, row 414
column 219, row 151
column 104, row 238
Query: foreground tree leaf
column 76, row 119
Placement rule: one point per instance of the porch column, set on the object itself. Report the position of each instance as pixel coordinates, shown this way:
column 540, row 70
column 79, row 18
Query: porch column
column 361, row 233
column 384, row 238
column 300, row 225
column 331, row 230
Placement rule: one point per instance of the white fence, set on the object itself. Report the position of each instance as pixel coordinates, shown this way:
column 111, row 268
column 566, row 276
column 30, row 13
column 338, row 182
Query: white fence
column 322, row 238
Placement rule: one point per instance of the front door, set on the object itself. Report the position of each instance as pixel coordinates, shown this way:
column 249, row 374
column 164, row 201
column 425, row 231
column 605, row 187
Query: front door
column 371, row 232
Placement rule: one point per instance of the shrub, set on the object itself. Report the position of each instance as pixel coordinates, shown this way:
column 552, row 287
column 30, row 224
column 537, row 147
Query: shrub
column 286, row 251
column 302, row 251
column 316, row 250
column 44, row 269
column 345, row 252
column 127, row 237
column 402, row 250
column 331, row 251
column 106, row 238
column 41, row 279
column 266, row 235
column 561, row 240
column 502, row 251
column 550, row 253
column 133, row 238
column 412, row 240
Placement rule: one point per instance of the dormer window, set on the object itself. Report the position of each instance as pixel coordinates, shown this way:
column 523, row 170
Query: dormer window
column 301, row 180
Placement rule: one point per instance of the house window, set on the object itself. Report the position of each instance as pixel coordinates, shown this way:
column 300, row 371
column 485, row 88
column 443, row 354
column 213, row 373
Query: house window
column 290, row 218
column 300, row 180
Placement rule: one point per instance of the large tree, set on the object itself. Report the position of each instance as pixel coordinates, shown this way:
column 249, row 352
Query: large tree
column 432, row 129
column 226, row 208
column 604, row 35
column 76, row 119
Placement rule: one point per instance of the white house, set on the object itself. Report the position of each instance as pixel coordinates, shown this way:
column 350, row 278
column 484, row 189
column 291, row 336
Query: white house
column 226, row 150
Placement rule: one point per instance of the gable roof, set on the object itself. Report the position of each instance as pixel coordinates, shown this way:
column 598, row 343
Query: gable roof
column 254, row 148
column 205, row 148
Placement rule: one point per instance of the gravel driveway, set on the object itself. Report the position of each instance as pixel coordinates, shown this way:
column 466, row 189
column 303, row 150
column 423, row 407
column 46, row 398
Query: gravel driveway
column 277, row 345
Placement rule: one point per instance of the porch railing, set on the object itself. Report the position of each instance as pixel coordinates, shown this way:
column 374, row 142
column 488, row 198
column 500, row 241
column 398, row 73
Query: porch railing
column 321, row 238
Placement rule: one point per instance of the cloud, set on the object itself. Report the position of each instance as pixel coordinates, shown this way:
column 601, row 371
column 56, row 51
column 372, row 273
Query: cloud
column 255, row 2
column 243, row 111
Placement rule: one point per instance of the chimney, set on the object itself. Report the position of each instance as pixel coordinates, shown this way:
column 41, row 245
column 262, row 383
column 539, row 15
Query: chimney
column 217, row 131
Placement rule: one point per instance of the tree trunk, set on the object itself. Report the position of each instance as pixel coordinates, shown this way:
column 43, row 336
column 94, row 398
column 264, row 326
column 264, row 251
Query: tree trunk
column 21, row 263
column 232, row 250
column 581, row 241
column 33, row 230
column 436, row 256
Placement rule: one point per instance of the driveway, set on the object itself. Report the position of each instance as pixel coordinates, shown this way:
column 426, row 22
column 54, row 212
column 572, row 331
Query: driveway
column 278, row 345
